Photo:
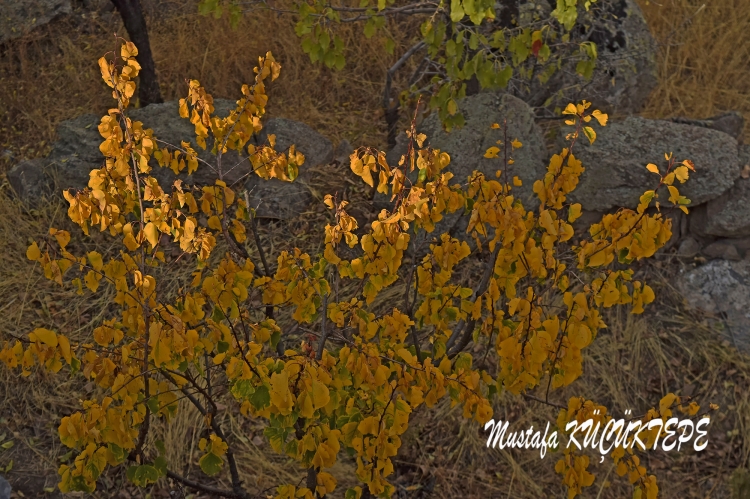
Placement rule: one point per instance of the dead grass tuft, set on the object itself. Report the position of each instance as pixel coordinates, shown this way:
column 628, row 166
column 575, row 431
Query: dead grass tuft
column 704, row 48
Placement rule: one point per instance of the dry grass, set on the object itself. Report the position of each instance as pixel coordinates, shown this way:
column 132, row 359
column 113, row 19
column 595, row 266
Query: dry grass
column 42, row 83
column 704, row 50
column 704, row 70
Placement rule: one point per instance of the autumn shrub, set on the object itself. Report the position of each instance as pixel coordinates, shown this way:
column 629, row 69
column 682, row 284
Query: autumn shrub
column 522, row 294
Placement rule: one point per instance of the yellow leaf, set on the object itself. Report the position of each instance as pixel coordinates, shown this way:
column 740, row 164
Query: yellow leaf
column 128, row 50
column 152, row 234
column 452, row 107
column 368, row 426
column 362, row 170
column 653, row 168
column 64, row 345
column 516, row 144
column 33, row 252
column 95, row 259
column 183, row 108
column 574, row 213
column 600, row 117
column 492, row 152
column 320, row 394
column 570, row 109
column 45, row 336
column 62, row 236
column 589, row 133
column 681, row 172
column 517, row 181
column 326, row 483
column 674, row 194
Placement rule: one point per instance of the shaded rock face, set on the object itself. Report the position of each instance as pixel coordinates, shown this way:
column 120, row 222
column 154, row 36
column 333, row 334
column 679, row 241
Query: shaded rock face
column 467, row 146
column 4, row 488
column 722, row 288
column 625, row 72
column 728, row 215
column 76, row 153
column 18, row 17
column 615, row 164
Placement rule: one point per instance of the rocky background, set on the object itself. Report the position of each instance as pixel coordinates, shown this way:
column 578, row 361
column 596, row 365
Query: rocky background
column 717, row 228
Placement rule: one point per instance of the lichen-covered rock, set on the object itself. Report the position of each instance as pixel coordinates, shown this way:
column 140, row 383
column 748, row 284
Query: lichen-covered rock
column 616, row 174
column 722, row 288
column 18, row 17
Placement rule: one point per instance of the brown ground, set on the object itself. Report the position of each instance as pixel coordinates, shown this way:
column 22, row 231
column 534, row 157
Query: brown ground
column 51, row 75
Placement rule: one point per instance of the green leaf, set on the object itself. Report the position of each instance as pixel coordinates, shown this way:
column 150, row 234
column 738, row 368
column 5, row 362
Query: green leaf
column 217, row 315
column 324, row 40
column 503, row 76
column 390, row 46
column 260, row 398
column 211, row 464
column 160, row 464
column 142, row 475
column 276, row 437
column 153, row 405
column 457, row 11
column 498, row 40
column 463, row 361
column 222, row 346
column 585, row 69
column 340, row 62
column 354, row 493
column 118, row 452
column 450, row 48
column 159, row 444
column 370, row 28
column 474, row 41
column 75, row 365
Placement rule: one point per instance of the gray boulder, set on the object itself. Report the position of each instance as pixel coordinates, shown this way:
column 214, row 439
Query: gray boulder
column 467, row 146
column 282, row 200
column 318, row 150
column 731, row 122
column 721, row 249
column 29, row 179
column 76, row 153
column 688, row 248
column 18, row 17
column 722, row 288
column 729, row 214
column 616, row 174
